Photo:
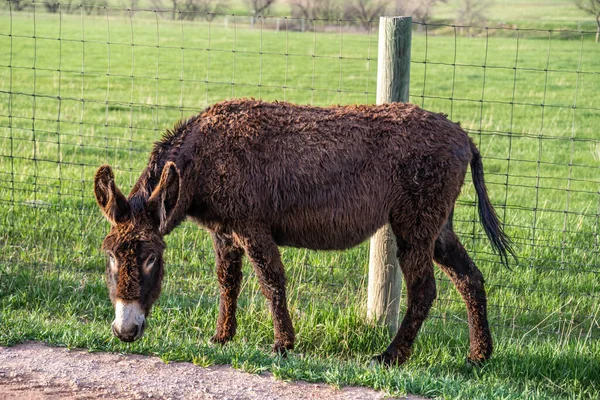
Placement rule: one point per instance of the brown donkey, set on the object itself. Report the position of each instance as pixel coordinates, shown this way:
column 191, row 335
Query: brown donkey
column 260, row 175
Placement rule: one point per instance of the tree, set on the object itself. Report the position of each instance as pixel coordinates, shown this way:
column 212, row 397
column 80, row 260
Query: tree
column 365, row 11
column 591, row 7
column 18, row 5
column 473, row 12
column 52, row 7
column 259, row 7
column 420, row 10
column 316, row 9
column 132, row 5
column 128, row 4
column 423, row 9
column 90, row 5
column 67, row 6
column 191, row 9
column 206, row 9
column 175, row 11
column 210, row 8
column 160, row 7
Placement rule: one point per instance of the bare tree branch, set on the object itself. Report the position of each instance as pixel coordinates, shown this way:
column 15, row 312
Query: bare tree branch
column 473, row 12
column 52, row 7
column 18, row 5
column 259, row 7
column 365, row 11
column 316, row 9
column 591, row 7
column 192, row 9
column 422, row 10
column 90, row 5
column 210, row 8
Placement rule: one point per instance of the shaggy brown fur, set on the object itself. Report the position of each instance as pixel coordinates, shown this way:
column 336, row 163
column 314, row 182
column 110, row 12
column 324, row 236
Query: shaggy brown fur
column 260, row 175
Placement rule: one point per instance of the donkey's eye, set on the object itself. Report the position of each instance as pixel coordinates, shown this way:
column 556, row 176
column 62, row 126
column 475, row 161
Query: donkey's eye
column 149, row 264
column 112, row 263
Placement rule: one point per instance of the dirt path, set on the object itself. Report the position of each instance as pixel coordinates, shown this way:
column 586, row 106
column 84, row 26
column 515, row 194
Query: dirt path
column 35, row 371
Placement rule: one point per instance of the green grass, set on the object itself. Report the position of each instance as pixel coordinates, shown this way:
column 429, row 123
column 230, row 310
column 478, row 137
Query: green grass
column 541, row 166
column 528, row 12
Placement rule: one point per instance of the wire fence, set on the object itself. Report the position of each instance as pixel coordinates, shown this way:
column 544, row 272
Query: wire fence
column 81, row 89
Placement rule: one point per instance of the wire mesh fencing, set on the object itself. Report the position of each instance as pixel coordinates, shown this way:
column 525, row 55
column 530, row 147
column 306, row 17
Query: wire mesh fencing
column 92, row 86
column 528, row 98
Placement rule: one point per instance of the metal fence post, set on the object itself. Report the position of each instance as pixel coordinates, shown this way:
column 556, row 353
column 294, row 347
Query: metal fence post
column 393, row 79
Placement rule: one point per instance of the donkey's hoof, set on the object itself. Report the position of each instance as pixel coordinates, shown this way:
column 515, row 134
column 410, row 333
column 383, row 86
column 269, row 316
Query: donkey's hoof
column 476, row 361
column 384, row 360
column 282, row 348
column 390, row 360
column 478, row 357
column 218, row 339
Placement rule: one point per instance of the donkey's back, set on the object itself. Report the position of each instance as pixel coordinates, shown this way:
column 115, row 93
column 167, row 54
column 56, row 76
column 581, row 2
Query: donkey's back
column 327, row 178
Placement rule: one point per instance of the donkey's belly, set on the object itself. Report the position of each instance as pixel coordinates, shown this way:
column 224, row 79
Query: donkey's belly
column 327, row 229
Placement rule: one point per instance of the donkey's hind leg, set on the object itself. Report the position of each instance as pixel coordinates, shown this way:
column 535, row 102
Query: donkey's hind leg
column 415, row 258
column 453, row 259
column 229, row 274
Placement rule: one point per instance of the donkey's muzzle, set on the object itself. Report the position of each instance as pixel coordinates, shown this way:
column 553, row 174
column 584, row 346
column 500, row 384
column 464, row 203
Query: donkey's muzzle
column 130, row 321
column 131, row 334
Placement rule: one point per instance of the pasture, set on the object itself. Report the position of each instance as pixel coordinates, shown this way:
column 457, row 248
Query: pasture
column 550, row 14
column 526, row 14
column 111, row 85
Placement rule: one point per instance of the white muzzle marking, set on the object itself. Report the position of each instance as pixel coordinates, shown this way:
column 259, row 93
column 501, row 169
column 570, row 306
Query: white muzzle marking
column 128, row 315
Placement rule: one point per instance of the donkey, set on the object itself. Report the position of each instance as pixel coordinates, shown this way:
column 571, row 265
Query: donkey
column 259, row 175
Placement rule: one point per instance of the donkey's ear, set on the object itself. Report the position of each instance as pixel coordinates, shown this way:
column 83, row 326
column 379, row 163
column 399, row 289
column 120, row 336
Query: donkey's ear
column 164, row 198
column 112, row 202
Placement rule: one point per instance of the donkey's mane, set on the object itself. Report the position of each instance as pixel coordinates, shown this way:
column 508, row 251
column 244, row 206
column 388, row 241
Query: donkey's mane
column 172, row 137
column 164, row 149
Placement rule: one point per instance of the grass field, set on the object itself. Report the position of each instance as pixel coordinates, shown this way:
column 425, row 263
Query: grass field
column 523, row 11
column 558, row 13
column 110, row 86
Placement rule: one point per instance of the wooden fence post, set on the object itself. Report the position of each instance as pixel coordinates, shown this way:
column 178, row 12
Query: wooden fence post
column 393, row 80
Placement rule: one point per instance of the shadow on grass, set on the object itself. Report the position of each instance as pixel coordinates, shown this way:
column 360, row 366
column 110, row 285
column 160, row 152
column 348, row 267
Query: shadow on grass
column 335, row 344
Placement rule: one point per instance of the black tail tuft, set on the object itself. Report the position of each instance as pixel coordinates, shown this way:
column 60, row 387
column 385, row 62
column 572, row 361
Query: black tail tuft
column 492, row 226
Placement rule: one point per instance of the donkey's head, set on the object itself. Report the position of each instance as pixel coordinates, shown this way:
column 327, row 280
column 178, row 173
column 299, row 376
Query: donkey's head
column 134, row 246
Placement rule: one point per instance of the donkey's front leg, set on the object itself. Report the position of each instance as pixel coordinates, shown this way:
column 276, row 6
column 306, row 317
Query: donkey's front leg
column 264, row 256
column 229, row 273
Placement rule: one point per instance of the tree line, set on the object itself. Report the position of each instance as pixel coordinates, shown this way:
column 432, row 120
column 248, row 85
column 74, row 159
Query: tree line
column 360, row 12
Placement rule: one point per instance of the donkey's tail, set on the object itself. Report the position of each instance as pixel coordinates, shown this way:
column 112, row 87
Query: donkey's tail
column 489, row 219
